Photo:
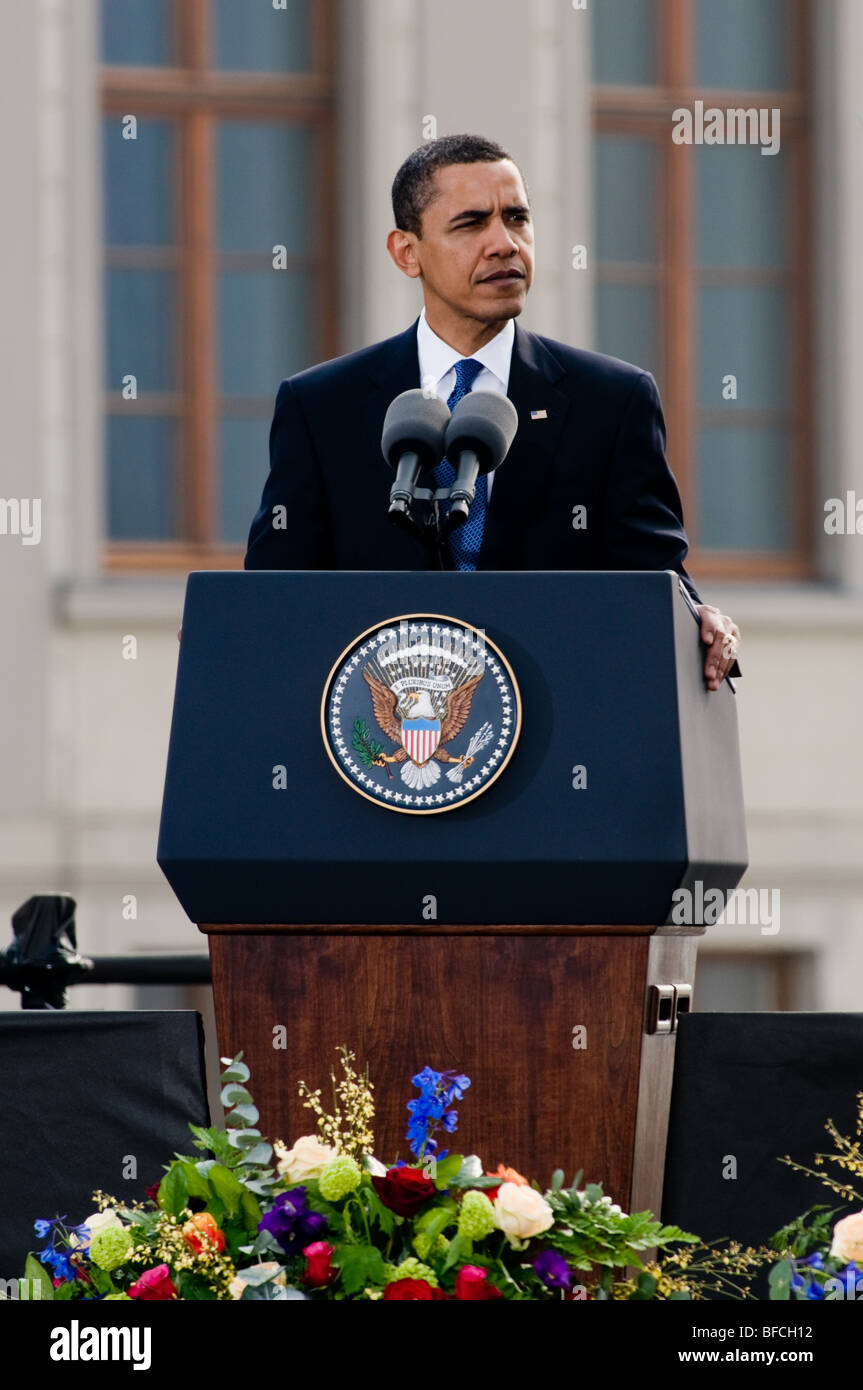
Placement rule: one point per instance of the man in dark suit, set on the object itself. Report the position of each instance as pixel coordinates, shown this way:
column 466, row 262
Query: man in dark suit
column 585, row 484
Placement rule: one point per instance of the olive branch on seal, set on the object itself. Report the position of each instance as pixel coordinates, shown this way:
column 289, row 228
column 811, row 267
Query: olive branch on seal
column 365, row 747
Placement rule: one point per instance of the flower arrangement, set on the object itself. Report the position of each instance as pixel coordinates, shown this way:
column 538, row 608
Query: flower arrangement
column 820, row 1258
column 325, row 1219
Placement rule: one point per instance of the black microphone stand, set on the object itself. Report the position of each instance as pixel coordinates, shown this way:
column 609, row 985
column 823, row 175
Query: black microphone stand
column 430, row 529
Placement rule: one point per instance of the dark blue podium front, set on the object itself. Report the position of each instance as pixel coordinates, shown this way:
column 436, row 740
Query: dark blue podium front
column 609, row 669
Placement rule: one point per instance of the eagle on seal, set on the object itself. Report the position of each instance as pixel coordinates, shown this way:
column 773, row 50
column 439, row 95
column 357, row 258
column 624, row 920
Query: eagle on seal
column 417, row 729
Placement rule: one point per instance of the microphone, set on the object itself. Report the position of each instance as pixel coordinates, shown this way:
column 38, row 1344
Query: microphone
column 478, row 436
column 412, row 443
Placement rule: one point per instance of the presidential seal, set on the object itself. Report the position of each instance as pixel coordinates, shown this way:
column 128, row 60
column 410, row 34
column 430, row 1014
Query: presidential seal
column 421, row 713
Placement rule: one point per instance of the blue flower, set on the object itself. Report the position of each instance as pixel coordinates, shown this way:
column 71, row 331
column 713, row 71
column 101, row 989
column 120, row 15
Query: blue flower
column 42, row 1228
column 61, row 1263
column 816, row 1261
column 431, row 1109
column 810, row 1288
column 426, row 1079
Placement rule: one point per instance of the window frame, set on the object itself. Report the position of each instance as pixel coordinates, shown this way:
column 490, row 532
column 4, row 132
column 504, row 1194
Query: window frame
column 196, row 96
column 646, row 111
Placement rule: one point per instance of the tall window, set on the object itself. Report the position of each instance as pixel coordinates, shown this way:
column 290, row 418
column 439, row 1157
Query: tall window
column 219, row 246
column 705, row 260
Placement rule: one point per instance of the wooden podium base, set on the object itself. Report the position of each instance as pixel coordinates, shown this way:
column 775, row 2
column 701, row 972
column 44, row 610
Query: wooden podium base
column 548, row 1023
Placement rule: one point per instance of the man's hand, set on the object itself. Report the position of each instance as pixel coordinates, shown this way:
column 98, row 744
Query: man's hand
column 722, row 636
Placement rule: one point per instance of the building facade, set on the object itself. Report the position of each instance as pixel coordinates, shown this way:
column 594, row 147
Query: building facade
column 146, row 330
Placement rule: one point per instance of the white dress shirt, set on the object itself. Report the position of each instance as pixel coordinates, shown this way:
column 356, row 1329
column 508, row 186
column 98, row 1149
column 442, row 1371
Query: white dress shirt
column 437, row 364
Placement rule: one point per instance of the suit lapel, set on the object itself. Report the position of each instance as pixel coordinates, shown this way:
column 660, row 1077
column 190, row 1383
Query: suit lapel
column 521, row 482
column 395, row 367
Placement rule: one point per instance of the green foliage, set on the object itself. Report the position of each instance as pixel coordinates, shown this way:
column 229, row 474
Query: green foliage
column 196, row 1181
column 447, row 1171
column 239, row 1174
column 65, row 1293
column 779, row 1281
column 379, row 1214
column 573, row 1191
column 194, row 1289
column 460, row 1248
column 435, row 1220
column 37, row 1274
column 216, row 1142
column 589, row 1233
column 811, row 1231
column 173, row 1194
column 101, row 1280
column 227, row 1187
column 270, row 1292
column 360, row 1266
column 645, row 1287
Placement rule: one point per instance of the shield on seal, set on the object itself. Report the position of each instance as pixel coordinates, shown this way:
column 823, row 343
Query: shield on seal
column 420, row 738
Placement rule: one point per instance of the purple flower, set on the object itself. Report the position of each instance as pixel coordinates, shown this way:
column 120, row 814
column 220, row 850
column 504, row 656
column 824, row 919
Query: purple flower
column 553, row 1270
column 291, row 1222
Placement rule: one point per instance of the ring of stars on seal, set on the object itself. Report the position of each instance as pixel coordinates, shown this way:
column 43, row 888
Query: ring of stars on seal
column 421, row 713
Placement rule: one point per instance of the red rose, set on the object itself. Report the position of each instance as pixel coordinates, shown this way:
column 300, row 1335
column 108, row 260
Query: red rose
column 319, row 1271
column 154, row 1285
column 404, row 1190
column 410, row 1291
column 152, row 1192
column 472, row 1283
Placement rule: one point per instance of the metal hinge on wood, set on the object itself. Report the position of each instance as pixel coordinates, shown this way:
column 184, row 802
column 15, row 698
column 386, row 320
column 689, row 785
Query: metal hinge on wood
column 665, row 1003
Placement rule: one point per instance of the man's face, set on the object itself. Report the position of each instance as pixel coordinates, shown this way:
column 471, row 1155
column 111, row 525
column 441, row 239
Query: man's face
column 475, row 255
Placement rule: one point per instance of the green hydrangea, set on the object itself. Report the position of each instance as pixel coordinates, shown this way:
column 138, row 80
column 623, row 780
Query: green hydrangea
column 339, row 1177
column 110, row 1248
column 425, row 1247
column 476, row 1218
column 411, row 1269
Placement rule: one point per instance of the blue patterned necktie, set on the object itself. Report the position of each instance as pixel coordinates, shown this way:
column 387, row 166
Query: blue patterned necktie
column 464, row 543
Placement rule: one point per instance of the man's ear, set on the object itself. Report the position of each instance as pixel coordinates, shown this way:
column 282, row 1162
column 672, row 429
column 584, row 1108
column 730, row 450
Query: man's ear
column 402, row 247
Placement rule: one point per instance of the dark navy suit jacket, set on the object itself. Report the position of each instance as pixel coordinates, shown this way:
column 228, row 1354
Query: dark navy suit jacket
column 599, row 445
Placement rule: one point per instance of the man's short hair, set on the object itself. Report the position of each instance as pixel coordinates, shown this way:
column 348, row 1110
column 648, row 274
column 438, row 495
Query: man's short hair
column 413, row 185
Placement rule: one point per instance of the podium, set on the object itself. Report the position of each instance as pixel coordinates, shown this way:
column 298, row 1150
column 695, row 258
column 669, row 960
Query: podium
column 517, row 917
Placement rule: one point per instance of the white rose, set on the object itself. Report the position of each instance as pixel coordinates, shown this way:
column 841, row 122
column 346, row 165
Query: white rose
column 848, row 1238
column 305, row 1161
column 521, row 1212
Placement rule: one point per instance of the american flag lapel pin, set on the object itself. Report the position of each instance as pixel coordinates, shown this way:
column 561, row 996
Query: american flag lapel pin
column 539, row 415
